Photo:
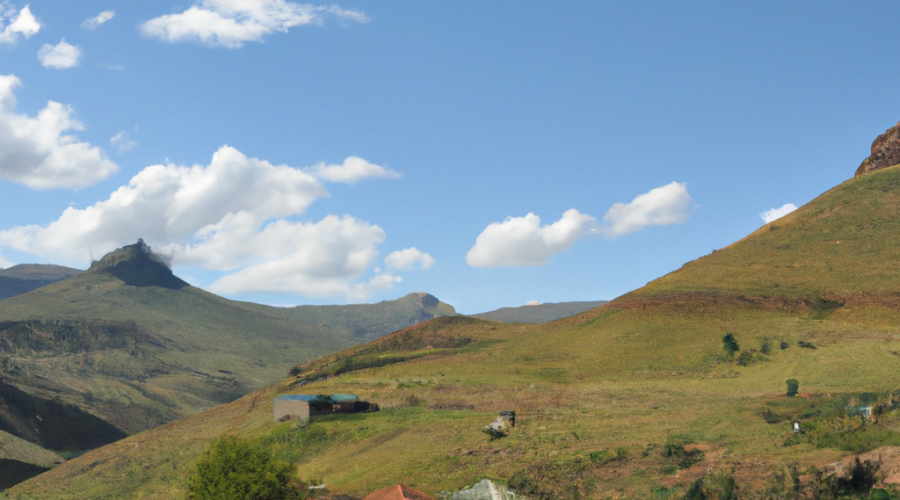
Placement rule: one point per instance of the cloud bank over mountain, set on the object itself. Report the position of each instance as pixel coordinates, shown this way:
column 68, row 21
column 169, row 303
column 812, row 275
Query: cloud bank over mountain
column 522, row 241
column 236, row 215
column 777, row 213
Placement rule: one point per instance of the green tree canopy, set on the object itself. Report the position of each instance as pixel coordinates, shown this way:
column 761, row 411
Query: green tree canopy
column 792, row 386
column 730, row 344
column 242, row 469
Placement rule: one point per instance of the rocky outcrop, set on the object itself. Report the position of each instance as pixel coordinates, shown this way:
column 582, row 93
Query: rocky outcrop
column 885, row 151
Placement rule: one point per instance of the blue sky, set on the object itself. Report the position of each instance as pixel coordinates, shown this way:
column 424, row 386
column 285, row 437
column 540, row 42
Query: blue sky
column 487, row 153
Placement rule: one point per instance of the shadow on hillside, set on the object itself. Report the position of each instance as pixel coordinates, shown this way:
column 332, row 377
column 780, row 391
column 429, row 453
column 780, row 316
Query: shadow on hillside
column 13, row 472
column 146, row 273
column 52, row 424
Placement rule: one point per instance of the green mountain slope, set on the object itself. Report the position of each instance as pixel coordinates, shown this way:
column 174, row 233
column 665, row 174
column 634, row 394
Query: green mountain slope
column 127, row 346
column 538, row 313
column 607, row 399
column 845, row 244
column 24, row 278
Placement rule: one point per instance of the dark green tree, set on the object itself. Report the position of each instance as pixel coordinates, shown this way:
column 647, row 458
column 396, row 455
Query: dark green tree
column 792, row 386
column 730, row 344
column 242, row 469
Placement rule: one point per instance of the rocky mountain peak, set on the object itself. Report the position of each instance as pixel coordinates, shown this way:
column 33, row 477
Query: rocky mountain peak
column 885, row 151
column 138, row 265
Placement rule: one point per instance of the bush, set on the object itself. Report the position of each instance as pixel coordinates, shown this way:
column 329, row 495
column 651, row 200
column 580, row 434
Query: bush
column 730, row 344
column 712, row 486
column 243, row 469
column 766, row 347
column 792, row 386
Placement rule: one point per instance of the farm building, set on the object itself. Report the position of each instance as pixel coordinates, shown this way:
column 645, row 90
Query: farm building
column 302, row 406
column 398, row 492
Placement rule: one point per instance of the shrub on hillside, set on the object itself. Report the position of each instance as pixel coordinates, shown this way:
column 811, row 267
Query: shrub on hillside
column 792, row 386
column 730, row 344
column 713, row 487
column 243, row 469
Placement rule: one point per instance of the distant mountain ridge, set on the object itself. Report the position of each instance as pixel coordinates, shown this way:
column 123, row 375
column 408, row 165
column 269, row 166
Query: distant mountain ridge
column 126, row 346
column 23, row 278
column 539, row 313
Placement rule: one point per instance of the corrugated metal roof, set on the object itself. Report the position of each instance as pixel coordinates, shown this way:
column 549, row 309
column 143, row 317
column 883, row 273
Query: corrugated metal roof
column 337, row 398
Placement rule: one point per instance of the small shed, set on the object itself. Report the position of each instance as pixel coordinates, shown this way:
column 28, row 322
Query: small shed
column 291, row 406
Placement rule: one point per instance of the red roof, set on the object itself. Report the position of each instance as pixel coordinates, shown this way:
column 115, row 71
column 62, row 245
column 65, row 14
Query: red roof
column 398, row 492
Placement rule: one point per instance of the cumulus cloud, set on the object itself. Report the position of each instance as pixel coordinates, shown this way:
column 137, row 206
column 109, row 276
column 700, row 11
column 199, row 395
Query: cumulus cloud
column 14, row 25
column 407, row 259
column 522, row 241
column 122, row 142
column 232, row 215
column 777, row 213
column 94, row 22
column 4, row 263
column 231, row 23
column 60, row 56
column 322, row 259
column 669, row 204
column 351, row 171
column 41, row 152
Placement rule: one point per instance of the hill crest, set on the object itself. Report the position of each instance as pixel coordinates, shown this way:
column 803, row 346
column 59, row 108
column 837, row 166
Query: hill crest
column 137, row 265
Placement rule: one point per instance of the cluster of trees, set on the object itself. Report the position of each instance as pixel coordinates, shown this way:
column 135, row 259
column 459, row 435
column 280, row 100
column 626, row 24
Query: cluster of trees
column 731, row 346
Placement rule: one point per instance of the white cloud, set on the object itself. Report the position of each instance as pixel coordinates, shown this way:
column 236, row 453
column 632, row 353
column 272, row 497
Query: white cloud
column 351, row 171
column 22, row 24
column 408, row 258
column 231, row 23
column 5, row 263
column 231, row 215
column 122, row 142
column 60, row 56
column 322, row 259
column 669, row 204
column 94, row 22
column 40, row 152
column 522, row 241
column 777, row 213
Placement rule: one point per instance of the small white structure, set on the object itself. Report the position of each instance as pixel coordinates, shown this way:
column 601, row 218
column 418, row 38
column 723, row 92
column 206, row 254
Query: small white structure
column 797, row 428
column 486, row 490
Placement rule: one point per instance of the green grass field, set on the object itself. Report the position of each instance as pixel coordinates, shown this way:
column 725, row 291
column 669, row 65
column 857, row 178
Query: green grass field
column 644, row 378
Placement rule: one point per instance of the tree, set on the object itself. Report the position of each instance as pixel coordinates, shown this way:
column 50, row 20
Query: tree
column 730, row 344
column 242, row 469
column 792, row 386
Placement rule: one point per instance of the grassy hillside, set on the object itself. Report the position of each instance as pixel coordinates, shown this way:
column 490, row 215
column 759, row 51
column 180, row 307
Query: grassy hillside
column 844, row 245
column 538, row 313
column 127, row 346
column 634, row 399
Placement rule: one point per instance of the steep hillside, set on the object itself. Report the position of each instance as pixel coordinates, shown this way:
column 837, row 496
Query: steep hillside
column 538, row 313
column 635, row 399
column 24, row 278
